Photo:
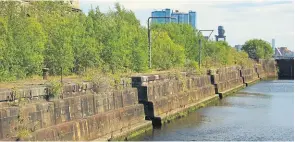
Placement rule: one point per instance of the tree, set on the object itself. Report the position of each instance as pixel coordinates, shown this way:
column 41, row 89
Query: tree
column 184, row 35
column 165, row 53
column 124, row 41
column 29, row 40
column 4, row 70
column 59, row 52
column 21, row 44
column 258, row 49
column 49, row 34
column 56, row 20
column 85, row 48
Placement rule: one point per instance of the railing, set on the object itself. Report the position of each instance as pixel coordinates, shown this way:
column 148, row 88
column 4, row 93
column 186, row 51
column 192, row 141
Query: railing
column 283, row 57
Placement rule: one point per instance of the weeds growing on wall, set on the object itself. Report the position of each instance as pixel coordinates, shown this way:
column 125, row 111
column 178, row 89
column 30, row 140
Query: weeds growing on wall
column 105, row 81
column 22, row 129
column 17, row 98
column 55, row 89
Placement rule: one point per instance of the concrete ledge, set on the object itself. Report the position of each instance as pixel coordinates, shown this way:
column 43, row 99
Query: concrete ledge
column 270, row 78
column 252, row 82
column 186, row 109
column 231, row 91
column 128, row 133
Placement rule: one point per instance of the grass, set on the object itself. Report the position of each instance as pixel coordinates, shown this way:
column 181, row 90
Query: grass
column 22, row 133
column 38, row 80
column 34, row 80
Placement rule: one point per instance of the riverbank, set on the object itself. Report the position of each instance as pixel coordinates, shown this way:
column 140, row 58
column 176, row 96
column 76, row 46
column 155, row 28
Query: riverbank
column 86, row 111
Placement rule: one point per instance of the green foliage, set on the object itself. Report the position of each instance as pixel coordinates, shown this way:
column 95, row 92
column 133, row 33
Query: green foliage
column 23, row 132
column 124, row 41
column 22, row 43
column 182, row 34
column 105, row 81
column 22, row 126
column 100, row 79
column 258, row 49
column 192, row 67
column 166, row 53
column 55, row 89
column 49, row 34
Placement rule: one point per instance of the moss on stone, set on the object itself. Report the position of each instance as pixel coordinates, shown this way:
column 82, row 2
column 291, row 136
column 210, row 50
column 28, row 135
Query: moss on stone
column 270, row 78
column 140, row 131
column 232, row 92
column 187, row 111
column 253, row 82
column 134, row 133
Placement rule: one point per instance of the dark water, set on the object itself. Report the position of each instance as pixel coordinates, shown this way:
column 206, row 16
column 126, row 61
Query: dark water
column 262, row 112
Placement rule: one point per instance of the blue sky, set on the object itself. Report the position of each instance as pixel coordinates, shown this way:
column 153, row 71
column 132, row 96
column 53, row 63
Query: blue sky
column 242, row 20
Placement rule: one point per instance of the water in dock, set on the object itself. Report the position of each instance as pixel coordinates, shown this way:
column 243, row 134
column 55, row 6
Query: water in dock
column 262, row 112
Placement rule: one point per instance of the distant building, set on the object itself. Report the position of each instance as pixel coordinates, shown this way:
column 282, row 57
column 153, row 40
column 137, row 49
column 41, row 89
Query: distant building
column 273, row 44
column 73, row 3
column 192, row 16
column 238, row 47
column 284, row 51
column 178, row 17
column 162, row 13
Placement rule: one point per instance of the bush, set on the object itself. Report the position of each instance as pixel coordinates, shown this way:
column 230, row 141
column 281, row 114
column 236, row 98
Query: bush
column 55, row 89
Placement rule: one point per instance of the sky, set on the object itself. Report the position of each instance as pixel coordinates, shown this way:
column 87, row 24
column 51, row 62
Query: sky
column 241, row 19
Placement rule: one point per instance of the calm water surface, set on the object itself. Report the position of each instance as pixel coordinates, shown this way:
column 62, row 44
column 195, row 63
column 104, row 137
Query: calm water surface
column 262, row 112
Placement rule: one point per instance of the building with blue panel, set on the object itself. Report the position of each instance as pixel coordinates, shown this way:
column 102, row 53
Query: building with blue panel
column 192, row 18
column 163, row 13
column 178, row 17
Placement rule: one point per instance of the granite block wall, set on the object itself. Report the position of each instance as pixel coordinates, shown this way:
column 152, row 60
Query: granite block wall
column 82, row 113
column 225, row 79
column 87, row 112
column 249, row 75
column 269, row 67
column 162, row 94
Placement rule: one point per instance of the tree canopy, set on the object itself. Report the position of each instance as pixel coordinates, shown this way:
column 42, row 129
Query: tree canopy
column 49, row 34
column 258, row 49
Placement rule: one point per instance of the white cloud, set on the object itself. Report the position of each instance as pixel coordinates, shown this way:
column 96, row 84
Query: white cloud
column 242, row 19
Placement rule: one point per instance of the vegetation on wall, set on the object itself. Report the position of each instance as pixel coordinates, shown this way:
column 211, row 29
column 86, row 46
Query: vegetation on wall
column 49, row 34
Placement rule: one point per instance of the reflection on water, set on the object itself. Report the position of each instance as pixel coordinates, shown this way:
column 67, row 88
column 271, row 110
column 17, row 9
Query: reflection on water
column 260, row 112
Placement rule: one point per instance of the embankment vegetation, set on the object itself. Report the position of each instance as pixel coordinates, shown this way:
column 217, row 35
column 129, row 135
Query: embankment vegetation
column 49, row 34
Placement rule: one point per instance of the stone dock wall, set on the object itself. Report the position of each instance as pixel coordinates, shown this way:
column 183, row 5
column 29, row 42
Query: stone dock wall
column 87, row 113
column 226, row 79
column 268, row 67
column 162, row 95
column 82, row 114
